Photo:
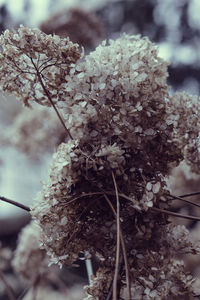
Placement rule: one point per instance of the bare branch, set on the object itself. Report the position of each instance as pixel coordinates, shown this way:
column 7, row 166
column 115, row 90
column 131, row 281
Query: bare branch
column 123, row 250
column 184, row 200
column 50, row 99
column 118, row 242
column 24, row 207
column 190, row 195
column 168, row 212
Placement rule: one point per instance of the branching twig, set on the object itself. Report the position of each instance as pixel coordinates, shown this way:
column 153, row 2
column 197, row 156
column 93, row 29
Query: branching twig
column 50, row 100
column 15, row 203
column 123, row 250
column 130, row 199
column 118, row 241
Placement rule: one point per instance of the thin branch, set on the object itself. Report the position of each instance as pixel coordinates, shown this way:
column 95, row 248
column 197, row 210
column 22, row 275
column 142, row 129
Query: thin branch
column 45, row 61
column 10, row 293
column 190, row 195
column 175, row 214
column 50, row 100
column 130, row 199
column 99, row 193
column 24, row 207
column 184, row 200
column 118, row 241
column 50, row 65
column 82, row 196
column 123, row 250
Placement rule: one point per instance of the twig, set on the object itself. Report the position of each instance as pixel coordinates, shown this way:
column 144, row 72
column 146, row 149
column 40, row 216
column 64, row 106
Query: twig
column 123, row 250
column 99, row 193
column 168, row 212
column 10, row 293
column 50, row 100
column 182, row 199
column 190, row 195
column 130, row 199
column 24, row 207
column 118, row 242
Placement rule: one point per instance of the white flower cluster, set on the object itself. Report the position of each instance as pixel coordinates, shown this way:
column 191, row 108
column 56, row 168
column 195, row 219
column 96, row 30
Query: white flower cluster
column 29, row 260
column 29, row 59
column 116, row 105
column 164, row 282
column 35, row 132
column 153, row 274
column 184, row 114
column 5, row 257
column 180, row 240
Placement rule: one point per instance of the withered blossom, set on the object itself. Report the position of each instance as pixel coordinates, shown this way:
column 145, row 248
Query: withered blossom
column 30, row 60
column 117, row 106
column 29, row 260
column 184, row 114
column 35, row 132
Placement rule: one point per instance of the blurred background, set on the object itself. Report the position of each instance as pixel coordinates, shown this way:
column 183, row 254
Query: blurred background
column 29, row 137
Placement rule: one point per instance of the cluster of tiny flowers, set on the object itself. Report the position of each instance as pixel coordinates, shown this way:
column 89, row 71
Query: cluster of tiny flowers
column 35, row 132
column 155, row 272
column 183, row 180
column 5, row 258
column 180, row 240
column 30, row 59
column 29, row 260
column 184, row 114
column 115, row 104
column 165, row 281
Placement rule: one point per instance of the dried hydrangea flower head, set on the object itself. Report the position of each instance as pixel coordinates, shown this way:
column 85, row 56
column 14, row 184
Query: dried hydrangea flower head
column 35, row 132
column 155, row 271
column 115, row 104
column 30, row 59
column 29, row 260
column 116, row 109
column 184, row 114
column 117, row 94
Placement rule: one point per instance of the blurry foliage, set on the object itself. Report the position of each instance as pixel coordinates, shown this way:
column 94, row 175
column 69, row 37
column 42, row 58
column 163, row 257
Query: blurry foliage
column 3, row 17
